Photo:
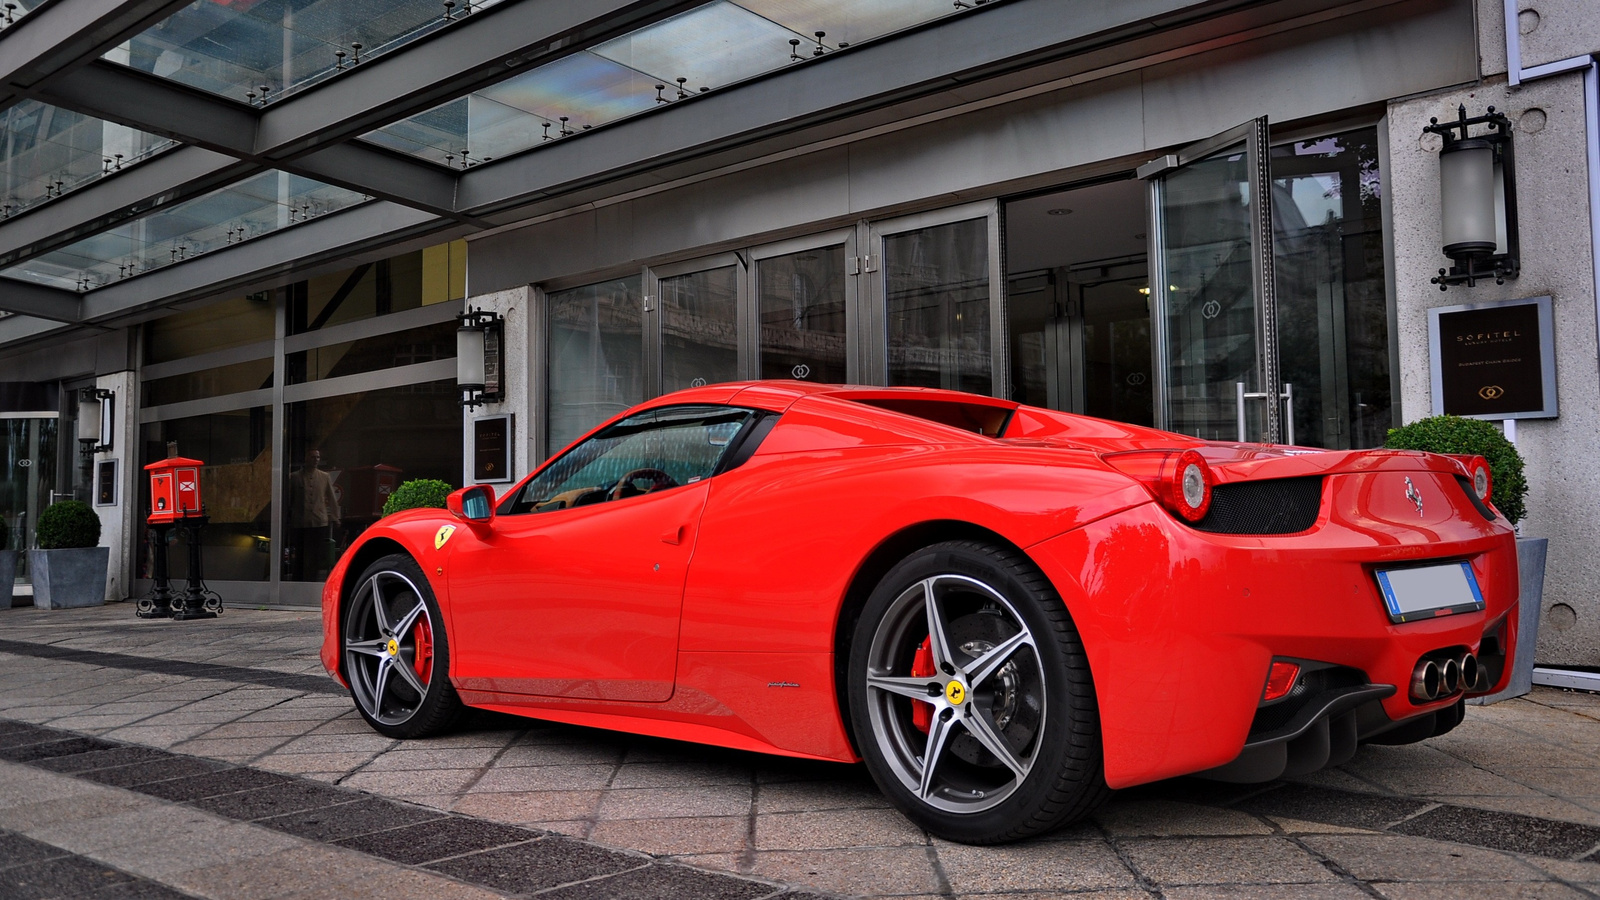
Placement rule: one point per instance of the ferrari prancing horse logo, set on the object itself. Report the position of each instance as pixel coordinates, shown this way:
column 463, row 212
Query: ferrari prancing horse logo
column 442, row 536
column 955, row 693
column 1414, row 495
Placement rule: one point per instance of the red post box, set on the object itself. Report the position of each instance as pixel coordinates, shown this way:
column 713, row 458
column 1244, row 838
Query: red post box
column 174, row 489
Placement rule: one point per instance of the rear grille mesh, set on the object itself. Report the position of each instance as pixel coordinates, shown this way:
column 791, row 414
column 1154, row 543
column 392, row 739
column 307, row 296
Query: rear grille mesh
column 1273, row 506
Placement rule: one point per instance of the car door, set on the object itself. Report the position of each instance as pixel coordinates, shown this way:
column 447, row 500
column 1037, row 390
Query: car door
column 576, row 588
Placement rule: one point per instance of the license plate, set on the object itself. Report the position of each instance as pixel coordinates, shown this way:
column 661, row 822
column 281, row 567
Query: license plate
column 1424, row 592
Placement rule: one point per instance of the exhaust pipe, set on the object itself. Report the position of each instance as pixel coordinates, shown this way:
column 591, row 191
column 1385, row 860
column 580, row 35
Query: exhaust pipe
column 1474, row 677
column 1449, row 677
column 1425, row 680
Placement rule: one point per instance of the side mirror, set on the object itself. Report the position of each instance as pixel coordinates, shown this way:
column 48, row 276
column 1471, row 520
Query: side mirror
column 474, row 504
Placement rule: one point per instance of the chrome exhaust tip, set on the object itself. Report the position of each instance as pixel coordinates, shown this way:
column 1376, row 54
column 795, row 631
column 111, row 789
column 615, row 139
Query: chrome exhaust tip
column 1471, row 672
column 1449, row 677
column 1425, row 680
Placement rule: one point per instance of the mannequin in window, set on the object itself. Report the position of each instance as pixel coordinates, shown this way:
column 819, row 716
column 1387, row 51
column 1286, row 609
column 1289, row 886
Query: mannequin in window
column 313, row 513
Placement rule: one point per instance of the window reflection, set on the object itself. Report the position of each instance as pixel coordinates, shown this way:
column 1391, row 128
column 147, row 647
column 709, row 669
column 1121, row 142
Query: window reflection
column 596, row 361
column 699, row 328
column 937, row 283
column 400, row 348
column 802, row 315
column 235, row 485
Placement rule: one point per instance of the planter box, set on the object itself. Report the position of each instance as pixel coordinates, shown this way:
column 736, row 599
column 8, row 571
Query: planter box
column 68, row 579
column 8, row 578
column 1530, row 607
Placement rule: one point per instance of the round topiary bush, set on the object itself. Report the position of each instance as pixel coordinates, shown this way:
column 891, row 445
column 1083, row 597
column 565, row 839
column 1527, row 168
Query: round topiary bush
column 1453, row 434
column 419, row 493
column 66, row 525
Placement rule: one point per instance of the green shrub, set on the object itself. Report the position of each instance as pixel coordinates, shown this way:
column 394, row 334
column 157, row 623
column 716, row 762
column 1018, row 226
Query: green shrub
column 68, row 524
column 419, row 493
column 1453, row 434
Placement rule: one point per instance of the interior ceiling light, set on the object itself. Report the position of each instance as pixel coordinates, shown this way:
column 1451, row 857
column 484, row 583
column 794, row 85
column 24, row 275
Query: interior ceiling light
column 1059, row 211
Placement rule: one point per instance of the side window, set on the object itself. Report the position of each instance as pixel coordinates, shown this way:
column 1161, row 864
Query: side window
column 652, row 451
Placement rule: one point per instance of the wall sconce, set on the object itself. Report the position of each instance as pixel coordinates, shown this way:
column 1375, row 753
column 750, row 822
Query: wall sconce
column 1478, row 199
column 478, row 340
column 97, row 417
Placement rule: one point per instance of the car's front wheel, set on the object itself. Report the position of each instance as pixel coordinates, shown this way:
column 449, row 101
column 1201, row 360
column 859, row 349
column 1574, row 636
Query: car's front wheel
column 396, row 655
column 971, row 699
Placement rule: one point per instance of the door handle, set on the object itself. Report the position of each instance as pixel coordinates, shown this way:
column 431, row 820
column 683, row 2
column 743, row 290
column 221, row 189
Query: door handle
column 1240, row 396
column 674, row 536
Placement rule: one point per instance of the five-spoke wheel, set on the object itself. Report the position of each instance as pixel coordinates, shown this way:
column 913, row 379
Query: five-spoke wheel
column 970, row 696
column 395, row 652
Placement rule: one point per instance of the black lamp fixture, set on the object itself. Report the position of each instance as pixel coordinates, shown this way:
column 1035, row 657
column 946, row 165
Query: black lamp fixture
column 96, row 420
column 479, row 337
column 1478, row 199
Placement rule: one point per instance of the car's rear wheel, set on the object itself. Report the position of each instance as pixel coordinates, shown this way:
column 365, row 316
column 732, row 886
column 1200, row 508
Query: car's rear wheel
column 396, row 654
column 971, row 698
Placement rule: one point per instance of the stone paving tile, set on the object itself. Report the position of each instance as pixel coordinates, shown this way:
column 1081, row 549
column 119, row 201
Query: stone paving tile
column 674, row 837
column 658, row 882
column 874, row 870
column 557, row 861
column 1502, row 890
column 413, row 782
column 437, row 839
column 544, row 778
column 347, row 820
column 835, row 829
column 806, row 796
column 1399, row 858
column 533, row 806
column 1256, row 860
column 1330, row 891
column 62, row 877
column 1060, row 866
column 645, row 803
column 1162, row 818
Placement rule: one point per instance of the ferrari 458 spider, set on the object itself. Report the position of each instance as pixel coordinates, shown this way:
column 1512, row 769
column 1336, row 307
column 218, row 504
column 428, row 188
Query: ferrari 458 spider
column 1004, row 611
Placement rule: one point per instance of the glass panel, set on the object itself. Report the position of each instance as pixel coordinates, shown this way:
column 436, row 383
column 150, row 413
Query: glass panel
column 1116, row 351
column 937, row 287
column 246, row 376
column 28, row 452
column 400, row 348
column 699, row 328
column 235, row 484
column 1333, row 325
column 256, row 206
column 595, row 357
column 235, row 48
column 802, row 315
column 227, row 323
column 1033, row 324
column 649, row 452
column 1211, row 306
column 709, row 47
column 407, row 281
column 347, row 453
column 49, row 151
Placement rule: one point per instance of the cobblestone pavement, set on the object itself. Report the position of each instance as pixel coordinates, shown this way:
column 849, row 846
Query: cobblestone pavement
column 215, row 759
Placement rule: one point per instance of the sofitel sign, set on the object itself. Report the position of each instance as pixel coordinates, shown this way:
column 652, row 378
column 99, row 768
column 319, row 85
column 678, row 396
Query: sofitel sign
column 1493, row 360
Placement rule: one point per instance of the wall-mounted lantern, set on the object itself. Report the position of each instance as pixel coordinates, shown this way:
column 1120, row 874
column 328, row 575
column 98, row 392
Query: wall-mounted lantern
column 478, row 342
column 1478, row 199
column 97, row 416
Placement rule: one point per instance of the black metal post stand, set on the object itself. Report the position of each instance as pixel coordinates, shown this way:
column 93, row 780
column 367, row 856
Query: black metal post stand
column 195, row 603
column 159, row 604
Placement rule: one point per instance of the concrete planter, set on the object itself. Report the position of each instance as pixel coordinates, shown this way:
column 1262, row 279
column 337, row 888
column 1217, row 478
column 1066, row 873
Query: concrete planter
column 1530, row 608
column 68, row 579
column 8, row 578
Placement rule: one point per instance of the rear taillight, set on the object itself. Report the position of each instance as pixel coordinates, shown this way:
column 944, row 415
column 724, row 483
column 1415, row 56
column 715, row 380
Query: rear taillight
column 1180, row 480
column 1281, row 679
column 1478, row 475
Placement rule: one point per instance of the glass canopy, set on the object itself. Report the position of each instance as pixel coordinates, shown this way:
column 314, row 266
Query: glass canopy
column 706, row 48
column 257, row 51
column 259, row 205
column 49, row 151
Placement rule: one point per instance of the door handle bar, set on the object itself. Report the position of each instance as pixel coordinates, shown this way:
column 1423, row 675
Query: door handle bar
column 1241, row 395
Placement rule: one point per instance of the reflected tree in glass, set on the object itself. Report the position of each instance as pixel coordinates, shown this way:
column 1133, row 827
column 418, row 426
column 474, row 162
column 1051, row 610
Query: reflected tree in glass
column 596, row 350
column 937, row 291
column 699, row 328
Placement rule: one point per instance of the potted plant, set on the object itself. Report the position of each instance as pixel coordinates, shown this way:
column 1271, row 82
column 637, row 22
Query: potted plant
column 418, row 493
column 69, row 568
column 1453, row 434
column 8, row 565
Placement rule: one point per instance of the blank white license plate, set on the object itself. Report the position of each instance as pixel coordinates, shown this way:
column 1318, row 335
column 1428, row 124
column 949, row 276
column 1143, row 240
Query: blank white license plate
column 1424, row 592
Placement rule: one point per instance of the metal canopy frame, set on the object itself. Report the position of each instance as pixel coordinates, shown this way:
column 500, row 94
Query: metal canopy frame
column 53, row 55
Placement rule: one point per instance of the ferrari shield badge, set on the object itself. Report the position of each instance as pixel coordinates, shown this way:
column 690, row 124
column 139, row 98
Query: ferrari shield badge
column 442, row 536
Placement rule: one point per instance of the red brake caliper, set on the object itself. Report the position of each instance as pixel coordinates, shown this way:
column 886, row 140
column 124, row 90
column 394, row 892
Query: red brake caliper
column 922, row 667
column 423, row 660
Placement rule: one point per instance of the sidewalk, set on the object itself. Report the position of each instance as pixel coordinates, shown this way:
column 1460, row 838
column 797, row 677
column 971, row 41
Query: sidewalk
column 225, row 764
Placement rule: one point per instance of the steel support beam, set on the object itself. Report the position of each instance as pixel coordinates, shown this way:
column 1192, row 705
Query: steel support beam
column 333, row 236
column 14, row 329
column 28, row 299
column 63, row 34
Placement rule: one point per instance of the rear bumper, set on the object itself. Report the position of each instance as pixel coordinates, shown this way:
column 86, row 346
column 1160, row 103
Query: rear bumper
column 1181, row 627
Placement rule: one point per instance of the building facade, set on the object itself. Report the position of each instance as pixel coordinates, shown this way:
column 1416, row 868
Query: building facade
column 1220, row 218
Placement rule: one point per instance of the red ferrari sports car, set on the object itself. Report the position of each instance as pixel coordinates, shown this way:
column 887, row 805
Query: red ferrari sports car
column 1004, row 611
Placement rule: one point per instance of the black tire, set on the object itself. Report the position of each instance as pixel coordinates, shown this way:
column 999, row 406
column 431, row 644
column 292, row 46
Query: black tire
column 1036, row 698
column 379, row 644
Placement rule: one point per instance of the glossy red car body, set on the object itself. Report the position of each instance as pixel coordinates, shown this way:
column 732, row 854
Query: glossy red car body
column 712, row 612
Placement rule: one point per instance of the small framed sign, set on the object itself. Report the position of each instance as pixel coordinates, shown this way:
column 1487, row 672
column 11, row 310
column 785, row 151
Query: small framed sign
column 1494, row 360
column 491, row 449
column 105, row 483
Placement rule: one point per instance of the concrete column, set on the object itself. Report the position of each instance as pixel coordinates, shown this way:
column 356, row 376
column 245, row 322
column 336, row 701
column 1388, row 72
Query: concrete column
column 118, row 521
column 513, row 306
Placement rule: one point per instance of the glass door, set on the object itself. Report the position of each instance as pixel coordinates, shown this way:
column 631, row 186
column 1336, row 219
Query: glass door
column 29, row 452
column 936, row 303
column 1212, row 290
column 696, row 310
column 804, row 299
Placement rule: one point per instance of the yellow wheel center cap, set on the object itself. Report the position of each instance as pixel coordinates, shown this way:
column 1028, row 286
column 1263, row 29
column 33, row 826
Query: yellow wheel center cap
column 394, row 647
column 955, row 693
